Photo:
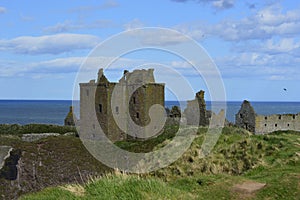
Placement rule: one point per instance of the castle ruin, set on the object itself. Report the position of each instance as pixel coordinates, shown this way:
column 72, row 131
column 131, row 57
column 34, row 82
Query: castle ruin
column 245, row 118
column 278, row 122
column 195, row 112
column 134, row 95
column 260, row 124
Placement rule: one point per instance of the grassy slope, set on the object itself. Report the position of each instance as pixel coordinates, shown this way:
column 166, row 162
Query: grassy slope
column 238, row 156
column 49, row 162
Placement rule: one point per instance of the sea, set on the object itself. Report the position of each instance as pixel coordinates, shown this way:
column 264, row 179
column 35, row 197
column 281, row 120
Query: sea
column 54, row 111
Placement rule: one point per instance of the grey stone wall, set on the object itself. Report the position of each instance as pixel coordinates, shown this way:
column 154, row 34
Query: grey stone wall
column 195, row 111
column 138, row 89
column 260, row 124
column 271, row 123
column 245, row 118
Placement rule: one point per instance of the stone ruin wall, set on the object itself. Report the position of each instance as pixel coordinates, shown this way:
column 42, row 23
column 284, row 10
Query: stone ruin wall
column 260, row 124
column 245, row 118
column 100, row 92
column 278, row 122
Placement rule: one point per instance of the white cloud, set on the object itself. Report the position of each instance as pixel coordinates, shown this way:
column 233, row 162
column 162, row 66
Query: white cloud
column 26, row 18
column 285, row 45
column 2, row 10
column 64, row 65
column 49, row 44
column 160, row 37
column 263, row 24
column 194, row 30
column 135, row 23
column 271, row 46
column 266, row 23
column 223, row 4
column 218, row 4
column 259, row 66
column 67, row 26
column 105, row 5
column 264, row 45
column 277, row 78
column 40, row 69
column 163, row 38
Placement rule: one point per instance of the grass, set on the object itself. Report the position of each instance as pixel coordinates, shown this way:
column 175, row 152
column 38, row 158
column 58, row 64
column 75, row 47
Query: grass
column 114, row 187
column 16, row 129
column 148, row 145
column 237, row 157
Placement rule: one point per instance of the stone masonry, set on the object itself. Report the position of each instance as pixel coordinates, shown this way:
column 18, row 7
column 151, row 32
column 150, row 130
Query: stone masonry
column 134, row 95
column 245, row 118
column 195, row 111
column 260, row 124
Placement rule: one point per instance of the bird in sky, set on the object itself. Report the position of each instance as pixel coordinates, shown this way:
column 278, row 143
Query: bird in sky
column 284, row 89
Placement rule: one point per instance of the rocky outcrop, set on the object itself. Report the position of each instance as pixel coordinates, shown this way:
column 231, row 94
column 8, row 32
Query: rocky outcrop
column 4, row 153
column 245, row 118
column 33, row 166
column 9, row 169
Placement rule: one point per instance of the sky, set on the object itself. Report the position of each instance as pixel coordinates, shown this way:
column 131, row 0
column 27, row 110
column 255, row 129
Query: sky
column 254, row 44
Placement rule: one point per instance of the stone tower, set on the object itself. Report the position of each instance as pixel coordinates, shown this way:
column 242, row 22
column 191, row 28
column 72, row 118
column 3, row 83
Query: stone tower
column 245, row 118
column 195, row 111
column 132, row 96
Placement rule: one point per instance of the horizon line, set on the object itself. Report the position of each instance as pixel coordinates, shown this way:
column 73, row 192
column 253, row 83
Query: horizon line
column 165, row 100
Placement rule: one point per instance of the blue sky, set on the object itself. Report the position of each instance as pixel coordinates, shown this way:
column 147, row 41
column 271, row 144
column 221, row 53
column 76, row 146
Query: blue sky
column 255, row 44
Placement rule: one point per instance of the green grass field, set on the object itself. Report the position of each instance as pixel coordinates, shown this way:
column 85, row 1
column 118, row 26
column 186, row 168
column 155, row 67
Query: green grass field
column 238, row 156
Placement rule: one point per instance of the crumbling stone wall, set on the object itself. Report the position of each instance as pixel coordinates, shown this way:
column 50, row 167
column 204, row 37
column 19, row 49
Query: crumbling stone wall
column 260, row 124
column 138, row 88
column 245, row 118
column 195, row 111
column 271, row 123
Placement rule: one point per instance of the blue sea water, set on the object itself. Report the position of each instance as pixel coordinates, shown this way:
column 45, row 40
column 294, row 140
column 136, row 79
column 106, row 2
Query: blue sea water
column 54, row 111
column 33, row 111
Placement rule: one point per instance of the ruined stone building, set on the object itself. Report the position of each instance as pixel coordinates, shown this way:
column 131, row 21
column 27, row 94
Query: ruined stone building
column 245, row 118
column 195, row 112
column 132, row 96
column 259, row 124
column 279, row 122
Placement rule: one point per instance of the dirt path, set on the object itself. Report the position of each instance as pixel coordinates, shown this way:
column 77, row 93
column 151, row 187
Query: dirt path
column 247, row 189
